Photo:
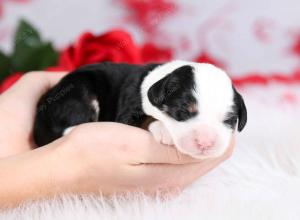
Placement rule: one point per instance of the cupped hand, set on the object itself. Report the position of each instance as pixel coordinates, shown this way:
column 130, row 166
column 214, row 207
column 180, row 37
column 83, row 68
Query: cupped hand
column 118, row 158
column 106, row 157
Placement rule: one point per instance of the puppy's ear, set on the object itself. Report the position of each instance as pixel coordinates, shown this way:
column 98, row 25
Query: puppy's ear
column 241, row 110
column 171, row 84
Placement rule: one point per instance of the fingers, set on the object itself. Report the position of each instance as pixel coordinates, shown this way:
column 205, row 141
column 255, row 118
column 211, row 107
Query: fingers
column 170, row 177
column 134, row 160
column 135, row 145
column 24, row 95
column 155, row 153
column 143, row 148
column 26, row 92
column 55, row 77
column 39, row 81
column 32, row 85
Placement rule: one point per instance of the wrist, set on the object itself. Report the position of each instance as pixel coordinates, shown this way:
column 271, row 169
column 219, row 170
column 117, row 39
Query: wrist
column 40, row 173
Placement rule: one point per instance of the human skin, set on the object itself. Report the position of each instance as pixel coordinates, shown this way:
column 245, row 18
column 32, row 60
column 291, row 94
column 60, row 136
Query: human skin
column 103, row 157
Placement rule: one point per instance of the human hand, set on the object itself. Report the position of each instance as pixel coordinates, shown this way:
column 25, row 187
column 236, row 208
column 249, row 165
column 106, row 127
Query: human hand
column 116, row 158
column 106, row 157
column 17, row 111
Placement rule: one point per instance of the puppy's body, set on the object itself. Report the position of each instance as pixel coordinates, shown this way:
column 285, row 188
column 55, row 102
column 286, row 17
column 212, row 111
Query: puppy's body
column 98, row 92
column 195, row 104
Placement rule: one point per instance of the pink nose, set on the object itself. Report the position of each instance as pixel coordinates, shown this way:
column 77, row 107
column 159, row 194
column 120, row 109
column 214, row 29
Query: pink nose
column 204, row 138
column 204, row 144
column 199, row 140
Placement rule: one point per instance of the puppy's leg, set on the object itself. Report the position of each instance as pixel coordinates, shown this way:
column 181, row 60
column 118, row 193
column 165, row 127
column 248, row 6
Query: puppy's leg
column 160, row 133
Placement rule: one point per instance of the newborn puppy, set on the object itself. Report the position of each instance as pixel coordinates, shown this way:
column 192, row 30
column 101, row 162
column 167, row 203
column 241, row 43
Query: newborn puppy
column 195, row 106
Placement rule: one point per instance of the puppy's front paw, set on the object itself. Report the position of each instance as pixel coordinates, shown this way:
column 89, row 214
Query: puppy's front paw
column 160, row 133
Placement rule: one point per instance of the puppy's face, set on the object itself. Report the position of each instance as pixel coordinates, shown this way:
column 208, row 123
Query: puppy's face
column 197, row 104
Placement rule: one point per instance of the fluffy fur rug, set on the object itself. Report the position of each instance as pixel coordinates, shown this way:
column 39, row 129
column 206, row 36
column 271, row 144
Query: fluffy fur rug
column 260, row 181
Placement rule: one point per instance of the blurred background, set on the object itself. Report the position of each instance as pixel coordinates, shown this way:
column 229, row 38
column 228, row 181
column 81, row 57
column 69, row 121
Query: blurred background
column 260, row 37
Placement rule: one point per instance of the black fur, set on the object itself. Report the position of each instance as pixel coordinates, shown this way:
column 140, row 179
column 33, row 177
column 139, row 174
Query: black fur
column 173, row 93
column 115, row 86
column 239, row 112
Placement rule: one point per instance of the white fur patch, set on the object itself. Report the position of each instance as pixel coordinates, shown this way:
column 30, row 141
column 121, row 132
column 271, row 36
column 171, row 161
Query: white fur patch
column 68, row 130
column 96, row 107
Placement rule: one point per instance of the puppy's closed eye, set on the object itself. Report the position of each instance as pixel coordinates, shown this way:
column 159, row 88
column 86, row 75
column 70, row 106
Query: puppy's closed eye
column 231, row 120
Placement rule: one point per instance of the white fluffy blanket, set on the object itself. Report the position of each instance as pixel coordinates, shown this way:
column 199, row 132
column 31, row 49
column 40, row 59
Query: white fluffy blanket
column 260, row 181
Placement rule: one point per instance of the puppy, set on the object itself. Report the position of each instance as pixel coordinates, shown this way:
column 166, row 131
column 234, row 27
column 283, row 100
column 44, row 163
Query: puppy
column 194, row 105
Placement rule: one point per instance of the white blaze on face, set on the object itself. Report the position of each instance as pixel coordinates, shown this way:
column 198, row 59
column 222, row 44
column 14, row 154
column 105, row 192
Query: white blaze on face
column 204, row 135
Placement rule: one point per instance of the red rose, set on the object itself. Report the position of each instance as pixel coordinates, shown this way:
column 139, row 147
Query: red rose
column 116, row 46
column 152, row 53
column 9, row 81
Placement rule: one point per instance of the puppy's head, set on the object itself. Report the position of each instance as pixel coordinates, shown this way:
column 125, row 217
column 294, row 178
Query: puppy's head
column 197, row 104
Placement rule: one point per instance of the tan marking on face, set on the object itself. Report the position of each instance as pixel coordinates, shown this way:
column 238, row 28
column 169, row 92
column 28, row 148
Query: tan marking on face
column 145, row 124
column 192, row 108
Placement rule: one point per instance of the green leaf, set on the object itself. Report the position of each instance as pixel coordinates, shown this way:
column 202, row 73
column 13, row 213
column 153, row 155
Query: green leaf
column 47, row 56
column 30, row 52
column 27, row 58
column 4, row 66
column 26, row 34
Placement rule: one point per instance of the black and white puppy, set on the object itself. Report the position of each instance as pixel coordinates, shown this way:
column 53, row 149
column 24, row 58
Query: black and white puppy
column 195, row 106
